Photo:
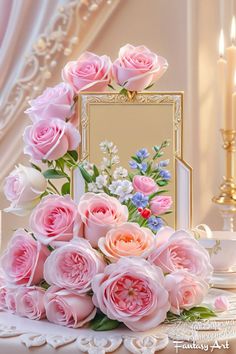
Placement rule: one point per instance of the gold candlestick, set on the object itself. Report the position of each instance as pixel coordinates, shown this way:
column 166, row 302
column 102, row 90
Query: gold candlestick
column 227, row 196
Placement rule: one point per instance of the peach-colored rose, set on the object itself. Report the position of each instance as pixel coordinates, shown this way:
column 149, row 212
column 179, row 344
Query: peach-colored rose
column 23, row 260
column 50, row 139
column 23, row 188
column 185, row 290
column 54, row 102
column 144, row 184
column 126, row 240
column 67, row 309
column 160, row 204
column 89, row 72
column 137, row 67
column 30, row 302
column 99, row 213
column 73, row 266
column 55, row 219
column 181, row 251
column 132, row 291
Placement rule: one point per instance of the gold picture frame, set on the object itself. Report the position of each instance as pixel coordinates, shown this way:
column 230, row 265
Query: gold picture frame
column 144, row 120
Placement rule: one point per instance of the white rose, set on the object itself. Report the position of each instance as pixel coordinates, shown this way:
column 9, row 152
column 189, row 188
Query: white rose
column 23, row 188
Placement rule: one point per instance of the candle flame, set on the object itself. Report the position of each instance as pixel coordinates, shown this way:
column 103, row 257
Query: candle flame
column 221, row 44
column 233, row 30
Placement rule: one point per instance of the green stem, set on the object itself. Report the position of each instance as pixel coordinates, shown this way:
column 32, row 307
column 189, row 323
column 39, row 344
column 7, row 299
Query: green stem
column 53, row 187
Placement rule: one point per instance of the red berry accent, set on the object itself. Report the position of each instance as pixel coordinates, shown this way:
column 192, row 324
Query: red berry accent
column 140, row 210
column 146, row 213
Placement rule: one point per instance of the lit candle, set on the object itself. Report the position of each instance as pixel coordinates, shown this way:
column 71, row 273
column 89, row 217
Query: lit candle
column 234, row 101
column 231, row 66
column 221, row 63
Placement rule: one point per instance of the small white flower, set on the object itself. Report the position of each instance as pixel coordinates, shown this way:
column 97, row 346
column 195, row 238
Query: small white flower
column 101, row 181
column 88, row 167
column 106, row 145
column 114, row 186
column 105, row 163
column 114, row 150
column 120, row 172
column 92, row 187
column 115, row 159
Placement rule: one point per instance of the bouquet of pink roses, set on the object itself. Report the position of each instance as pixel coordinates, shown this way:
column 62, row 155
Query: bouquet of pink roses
column 110, row 259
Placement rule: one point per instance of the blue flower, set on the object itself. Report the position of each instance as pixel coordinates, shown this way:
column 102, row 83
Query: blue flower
column 165, row 174
column 133, row 164
column 143, row 166
column 163, row 163
column 155, row 223
column 140, row 200
column 142, row 153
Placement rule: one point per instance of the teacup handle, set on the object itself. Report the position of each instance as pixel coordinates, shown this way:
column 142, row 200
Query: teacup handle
column 202, row 230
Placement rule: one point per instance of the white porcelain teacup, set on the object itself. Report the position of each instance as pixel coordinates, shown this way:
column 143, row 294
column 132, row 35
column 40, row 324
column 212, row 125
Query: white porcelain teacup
column 221, row 246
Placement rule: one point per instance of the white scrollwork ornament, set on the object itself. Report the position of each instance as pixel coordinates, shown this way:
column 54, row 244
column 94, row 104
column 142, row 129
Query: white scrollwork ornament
column 8, row 331
column 95, row 345
column 58, row 341
column 147, row 344
column 33, row 340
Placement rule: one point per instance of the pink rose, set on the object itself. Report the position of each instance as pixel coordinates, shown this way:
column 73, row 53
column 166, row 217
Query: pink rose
column 3, row 291
column 137, row 67
column 55, row 218
column 132, row 291
column 50, row 139
column 67, row 309
column 145, row 185
column 10, row 299
column 185, row 290
column 100, row 213
column 89, row 73
column 181, row 251
column 73, row 266
column 54, row 102
column 30, row 302
column 23, row 260
column 125, row 240
column 221, row 303
column 23, row 188
column 160, row 204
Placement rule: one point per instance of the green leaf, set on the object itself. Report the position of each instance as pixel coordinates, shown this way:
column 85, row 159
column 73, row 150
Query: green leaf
column 43, row 284
column 162, row 183
column 95, row 171
column 136, row 159
column 36, row 167
column 195, row 313
column 65, row 189
column 123, row 91
column 148, row 87
column 73, row 154
column 153, row 195
column 54, row 174
column 85, row 174
column 50, row 248
column 102, row 323
column 111, row 87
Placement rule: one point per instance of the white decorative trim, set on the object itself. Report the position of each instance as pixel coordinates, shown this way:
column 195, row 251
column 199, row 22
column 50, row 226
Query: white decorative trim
column 95, row 345
column 146, row 345
column 38, row 340
column 8, row 331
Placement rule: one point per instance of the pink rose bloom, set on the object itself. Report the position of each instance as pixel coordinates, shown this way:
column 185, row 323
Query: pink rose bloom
column 50, row 139
column 185, row 290
column 29, row 302
column 54, row 102
column 160, row 204
column 23, row 260
column 89, row 73
column 23, row 188
column 137, row 67
column 181, row 251
column 221, row 303
column 73, row 266
column 100, row 213
column 55, row 218
column 67, row 309
column 125, row 240
column 10, row 299
column 145, row 185
column 3, row 291
column 132, row 291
